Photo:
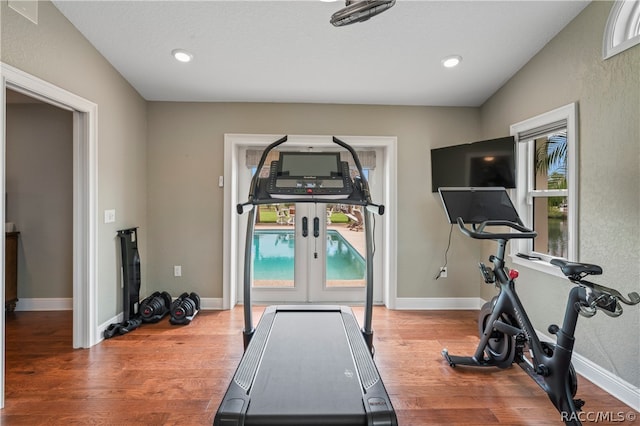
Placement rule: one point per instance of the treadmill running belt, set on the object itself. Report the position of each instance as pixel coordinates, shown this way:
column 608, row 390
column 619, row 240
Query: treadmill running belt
column 307, row 371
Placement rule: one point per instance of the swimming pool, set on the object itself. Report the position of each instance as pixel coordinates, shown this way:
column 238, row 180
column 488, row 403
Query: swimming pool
column 273, row 256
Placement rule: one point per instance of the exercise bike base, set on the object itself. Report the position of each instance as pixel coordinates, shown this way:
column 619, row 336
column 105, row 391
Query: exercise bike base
column 454, row 360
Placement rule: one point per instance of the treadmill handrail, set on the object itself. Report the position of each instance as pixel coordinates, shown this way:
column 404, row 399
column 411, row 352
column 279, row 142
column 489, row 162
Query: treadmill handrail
column 365, row 200
column 253, row 187
column 254, row 180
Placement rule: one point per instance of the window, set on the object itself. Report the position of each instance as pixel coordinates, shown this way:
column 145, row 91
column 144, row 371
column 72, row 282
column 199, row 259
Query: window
column 623, row 28
column 547, row 180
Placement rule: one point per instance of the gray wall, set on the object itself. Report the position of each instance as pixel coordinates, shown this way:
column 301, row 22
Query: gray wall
column 55, row 51
column 570, row 68
column 39, row 187
column 186, row 206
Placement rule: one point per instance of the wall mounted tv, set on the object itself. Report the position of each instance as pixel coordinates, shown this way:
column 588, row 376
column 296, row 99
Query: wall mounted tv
column 487, row 163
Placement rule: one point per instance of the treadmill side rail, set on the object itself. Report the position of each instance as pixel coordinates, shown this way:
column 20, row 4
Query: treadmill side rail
column 233, row 410
column 342, row 387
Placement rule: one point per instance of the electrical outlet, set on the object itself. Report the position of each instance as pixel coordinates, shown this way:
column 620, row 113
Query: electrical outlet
column 443, row 272
column 177, row 270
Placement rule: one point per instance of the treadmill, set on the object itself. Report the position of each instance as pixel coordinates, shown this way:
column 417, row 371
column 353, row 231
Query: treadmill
column 307, row 364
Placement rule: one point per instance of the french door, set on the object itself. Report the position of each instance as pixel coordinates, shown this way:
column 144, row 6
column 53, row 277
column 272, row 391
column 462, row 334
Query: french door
column 308, row 252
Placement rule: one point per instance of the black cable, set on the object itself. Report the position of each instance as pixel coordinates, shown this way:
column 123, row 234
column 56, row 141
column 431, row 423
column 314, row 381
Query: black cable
column 446, row 252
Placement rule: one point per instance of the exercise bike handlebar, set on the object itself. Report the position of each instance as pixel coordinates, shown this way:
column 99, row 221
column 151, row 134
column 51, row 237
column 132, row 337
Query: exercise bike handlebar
column 479, row 232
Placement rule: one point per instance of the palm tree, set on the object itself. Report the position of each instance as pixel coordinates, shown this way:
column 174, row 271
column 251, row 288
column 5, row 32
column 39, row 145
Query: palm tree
column 552, row 156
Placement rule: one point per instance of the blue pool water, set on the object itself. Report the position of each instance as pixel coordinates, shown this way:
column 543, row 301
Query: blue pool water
column 273, row 256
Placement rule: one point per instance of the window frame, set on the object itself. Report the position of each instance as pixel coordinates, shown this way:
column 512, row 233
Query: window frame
column 524, row 201
column 623, row 28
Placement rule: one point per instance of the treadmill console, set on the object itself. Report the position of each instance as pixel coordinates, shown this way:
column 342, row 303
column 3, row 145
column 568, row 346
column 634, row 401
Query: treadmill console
column 319, row 174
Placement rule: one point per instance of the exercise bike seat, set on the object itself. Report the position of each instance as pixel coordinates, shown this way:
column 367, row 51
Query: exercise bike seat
column 571, row 269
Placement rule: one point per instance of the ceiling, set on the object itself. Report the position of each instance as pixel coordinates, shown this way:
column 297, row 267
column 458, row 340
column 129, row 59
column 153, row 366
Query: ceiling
column 287, row 51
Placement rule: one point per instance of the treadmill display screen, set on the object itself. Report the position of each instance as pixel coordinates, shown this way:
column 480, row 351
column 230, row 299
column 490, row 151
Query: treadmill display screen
column 476, row 205
column 317, row 164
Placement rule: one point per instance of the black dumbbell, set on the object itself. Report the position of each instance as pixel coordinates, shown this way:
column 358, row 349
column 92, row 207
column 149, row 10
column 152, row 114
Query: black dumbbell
column 184, row 308
column 155, row 307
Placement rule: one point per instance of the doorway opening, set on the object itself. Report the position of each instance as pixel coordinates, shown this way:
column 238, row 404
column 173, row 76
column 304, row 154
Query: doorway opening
column 341, row 229
column 84, row 129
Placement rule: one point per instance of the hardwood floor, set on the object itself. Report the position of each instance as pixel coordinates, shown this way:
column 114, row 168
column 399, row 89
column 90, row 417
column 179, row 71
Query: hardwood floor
column 161, row 374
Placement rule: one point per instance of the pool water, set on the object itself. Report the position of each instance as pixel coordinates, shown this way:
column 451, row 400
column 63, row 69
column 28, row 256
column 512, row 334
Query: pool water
column 273, row 256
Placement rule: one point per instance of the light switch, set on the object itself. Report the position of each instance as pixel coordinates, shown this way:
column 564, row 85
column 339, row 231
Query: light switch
column 109, row 216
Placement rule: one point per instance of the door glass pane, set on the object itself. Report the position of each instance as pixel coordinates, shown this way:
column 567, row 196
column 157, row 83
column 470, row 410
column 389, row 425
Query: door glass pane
column 345, row 257
column 550, row 222
column 273, row 250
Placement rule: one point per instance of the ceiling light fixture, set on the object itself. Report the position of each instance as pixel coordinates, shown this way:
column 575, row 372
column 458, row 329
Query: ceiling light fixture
column 359, row 10
column 182, row 55
column 451, row 61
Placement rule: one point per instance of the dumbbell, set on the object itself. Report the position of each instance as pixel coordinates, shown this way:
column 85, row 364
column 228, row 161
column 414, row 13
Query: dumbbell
column 184, row 308
column 155, row 307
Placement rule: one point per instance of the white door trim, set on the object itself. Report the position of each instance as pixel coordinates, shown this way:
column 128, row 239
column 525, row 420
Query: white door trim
column 85, row 185
column 234, row 142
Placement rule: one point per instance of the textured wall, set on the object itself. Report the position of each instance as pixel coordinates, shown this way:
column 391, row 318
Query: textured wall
column 569, row 69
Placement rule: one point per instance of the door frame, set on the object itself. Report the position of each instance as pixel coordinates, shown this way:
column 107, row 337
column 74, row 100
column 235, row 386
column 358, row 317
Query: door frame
column 85, row 127
column 234, row 142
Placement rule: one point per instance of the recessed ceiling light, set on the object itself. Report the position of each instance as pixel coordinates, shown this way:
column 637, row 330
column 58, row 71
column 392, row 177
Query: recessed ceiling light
column 451, row 61
column 182, row 55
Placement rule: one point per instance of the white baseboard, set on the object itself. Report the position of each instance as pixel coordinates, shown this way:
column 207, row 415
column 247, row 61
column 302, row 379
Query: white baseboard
column 45, row 304
column 605, row 380
column 211, row 303
column 438, row 303
column 102, row 327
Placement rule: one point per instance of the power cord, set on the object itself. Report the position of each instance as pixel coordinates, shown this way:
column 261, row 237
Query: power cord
column 446, row 252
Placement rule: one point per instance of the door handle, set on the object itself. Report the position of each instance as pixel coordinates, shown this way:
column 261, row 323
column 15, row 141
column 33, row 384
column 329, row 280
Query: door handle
column 305, row 227
column 316, row 227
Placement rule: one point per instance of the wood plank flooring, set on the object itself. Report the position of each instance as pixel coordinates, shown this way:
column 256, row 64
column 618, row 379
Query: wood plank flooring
column 161, row 374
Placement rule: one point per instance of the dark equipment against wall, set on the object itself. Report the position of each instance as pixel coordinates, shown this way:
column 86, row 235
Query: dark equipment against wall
column 184, row 308
column 131, row 284
column 155, row 307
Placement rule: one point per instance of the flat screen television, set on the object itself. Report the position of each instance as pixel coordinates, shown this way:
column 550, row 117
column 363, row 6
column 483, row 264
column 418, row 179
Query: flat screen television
column 489, row 163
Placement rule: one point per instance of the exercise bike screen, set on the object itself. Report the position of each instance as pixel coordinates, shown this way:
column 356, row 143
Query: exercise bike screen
column 476, row 205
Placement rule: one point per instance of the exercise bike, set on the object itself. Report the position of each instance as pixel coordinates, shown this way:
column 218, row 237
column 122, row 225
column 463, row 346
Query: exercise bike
column 506, row 333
